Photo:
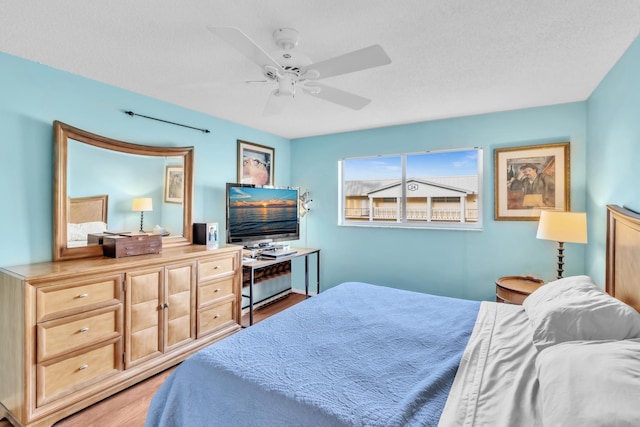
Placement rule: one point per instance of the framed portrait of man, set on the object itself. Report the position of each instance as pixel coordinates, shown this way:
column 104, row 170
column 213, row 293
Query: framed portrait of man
column 255, row 163
column 174, row 184
column 530, row 179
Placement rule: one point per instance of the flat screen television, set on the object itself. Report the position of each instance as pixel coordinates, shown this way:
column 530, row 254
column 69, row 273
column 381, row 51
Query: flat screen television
column 258, row 216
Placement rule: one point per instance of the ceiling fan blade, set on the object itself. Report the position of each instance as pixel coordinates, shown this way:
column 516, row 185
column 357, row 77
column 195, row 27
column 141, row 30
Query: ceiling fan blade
column 337, row 96
column 275, row 103
column 369, row 57
column 216, row 84
column 243, row 44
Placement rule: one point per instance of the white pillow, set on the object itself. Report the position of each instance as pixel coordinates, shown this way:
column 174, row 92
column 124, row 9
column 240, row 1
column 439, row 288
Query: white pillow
column 574, row 308
column 590, row 383
column 77, row 232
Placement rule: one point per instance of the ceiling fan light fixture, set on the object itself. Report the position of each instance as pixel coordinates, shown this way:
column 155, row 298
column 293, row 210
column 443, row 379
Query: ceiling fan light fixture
column 286, row 86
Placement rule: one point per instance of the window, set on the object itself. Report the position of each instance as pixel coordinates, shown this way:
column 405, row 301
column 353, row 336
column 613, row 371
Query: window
column 439, row 189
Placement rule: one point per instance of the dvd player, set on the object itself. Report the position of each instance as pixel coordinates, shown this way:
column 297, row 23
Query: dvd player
column 278, row 253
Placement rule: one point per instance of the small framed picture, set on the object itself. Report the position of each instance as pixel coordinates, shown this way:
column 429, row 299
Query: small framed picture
column 530, row 179
column 212, row 235
column 174, row 184
column 255, row 163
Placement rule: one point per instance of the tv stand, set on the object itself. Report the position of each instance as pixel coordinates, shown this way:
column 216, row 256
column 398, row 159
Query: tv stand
column 250, row 266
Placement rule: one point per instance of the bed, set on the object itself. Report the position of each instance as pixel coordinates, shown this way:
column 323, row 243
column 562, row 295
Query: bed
column 366, row 355
column 87, row 215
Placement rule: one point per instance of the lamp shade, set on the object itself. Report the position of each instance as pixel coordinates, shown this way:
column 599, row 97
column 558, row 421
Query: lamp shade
column 567, row 227
column 142, row 204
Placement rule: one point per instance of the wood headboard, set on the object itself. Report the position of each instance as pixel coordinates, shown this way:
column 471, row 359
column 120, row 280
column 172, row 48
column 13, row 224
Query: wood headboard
column 623, row 255
column 88, row 209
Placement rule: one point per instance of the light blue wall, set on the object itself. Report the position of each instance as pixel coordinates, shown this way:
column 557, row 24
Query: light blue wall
column 32, row 96
column 455, row 263
column 613, row 151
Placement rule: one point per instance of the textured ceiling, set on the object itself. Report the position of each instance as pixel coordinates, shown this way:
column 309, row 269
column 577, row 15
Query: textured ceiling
column 450, row 58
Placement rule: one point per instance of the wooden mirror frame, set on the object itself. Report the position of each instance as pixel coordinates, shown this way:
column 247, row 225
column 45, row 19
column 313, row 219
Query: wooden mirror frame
column 62, row 132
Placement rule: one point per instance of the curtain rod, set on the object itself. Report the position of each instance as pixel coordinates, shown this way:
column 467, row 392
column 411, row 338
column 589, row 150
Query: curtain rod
column 131, row 113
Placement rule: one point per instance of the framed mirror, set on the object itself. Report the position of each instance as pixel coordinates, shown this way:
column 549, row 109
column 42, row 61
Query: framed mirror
column 96, row 180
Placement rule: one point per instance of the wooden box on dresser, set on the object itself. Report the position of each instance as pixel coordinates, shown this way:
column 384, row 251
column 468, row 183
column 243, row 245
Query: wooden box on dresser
column 75, row 332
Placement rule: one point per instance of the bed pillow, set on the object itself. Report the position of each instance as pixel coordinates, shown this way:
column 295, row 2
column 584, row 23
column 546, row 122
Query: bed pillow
column 77, row 232
column 590, row 383
column 574, row 308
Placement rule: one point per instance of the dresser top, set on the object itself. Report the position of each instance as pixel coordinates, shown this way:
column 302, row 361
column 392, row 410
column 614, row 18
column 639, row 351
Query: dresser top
column 98, row 264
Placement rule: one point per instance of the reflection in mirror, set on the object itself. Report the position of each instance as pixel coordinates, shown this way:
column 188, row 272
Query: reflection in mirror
column 97, row 179
column 131, row 176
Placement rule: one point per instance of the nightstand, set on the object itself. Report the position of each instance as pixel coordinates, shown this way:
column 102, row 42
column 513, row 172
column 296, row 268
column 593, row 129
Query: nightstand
column 514, row 289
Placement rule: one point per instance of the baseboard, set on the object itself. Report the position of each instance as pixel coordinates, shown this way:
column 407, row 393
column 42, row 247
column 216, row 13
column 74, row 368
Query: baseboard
column 276, row 298
column 301, row 291
column 268, row 301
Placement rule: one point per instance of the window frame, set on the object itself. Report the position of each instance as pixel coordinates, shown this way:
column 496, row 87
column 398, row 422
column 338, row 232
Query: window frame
column 403, row 221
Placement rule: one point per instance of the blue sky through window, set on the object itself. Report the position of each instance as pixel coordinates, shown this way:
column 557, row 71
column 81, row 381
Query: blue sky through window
column 441, row 163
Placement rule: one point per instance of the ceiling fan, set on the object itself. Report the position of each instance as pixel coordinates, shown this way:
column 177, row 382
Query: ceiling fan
column 292, row 70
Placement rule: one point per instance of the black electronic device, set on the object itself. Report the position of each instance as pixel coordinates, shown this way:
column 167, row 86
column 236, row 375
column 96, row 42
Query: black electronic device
column 278, row 253
column 199, row 233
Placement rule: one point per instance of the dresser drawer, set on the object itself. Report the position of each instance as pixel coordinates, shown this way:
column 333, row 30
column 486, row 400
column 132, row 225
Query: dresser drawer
column 60, row 336
column 214, row 268
column 65, row 299
column 59, row 379
column 123, row 246
column 215, row 317
column 212, row 291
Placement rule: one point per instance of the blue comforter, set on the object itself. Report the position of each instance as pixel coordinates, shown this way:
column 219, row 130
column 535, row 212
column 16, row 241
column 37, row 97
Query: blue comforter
column 355, row 355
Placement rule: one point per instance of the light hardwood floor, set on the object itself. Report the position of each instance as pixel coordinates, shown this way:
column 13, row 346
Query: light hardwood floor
column 129, row 407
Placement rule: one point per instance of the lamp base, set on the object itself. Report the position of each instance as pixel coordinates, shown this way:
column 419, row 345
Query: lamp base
column 560, row 259
column 141, row 221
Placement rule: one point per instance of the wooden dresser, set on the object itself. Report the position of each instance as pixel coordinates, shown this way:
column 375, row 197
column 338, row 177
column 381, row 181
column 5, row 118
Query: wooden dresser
column 75, row 332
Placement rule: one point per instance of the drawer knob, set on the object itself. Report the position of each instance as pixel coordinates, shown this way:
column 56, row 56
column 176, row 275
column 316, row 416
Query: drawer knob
column 216, row 316
column 166, row 305
column 217, row 267
column 85, row 329
column 217, row 290
column 82, row 367
column 83, row 295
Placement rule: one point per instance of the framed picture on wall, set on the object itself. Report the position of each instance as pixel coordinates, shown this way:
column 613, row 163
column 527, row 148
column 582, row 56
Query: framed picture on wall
column 174, row 184
column 530, row 179
column 255, row 163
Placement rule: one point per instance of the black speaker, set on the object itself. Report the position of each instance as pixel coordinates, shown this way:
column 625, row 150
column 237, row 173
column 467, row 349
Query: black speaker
column 205, row 234
column 199, row 233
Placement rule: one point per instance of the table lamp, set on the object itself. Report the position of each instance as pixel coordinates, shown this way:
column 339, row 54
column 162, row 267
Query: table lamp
column 562, row 227
column 142, row 205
